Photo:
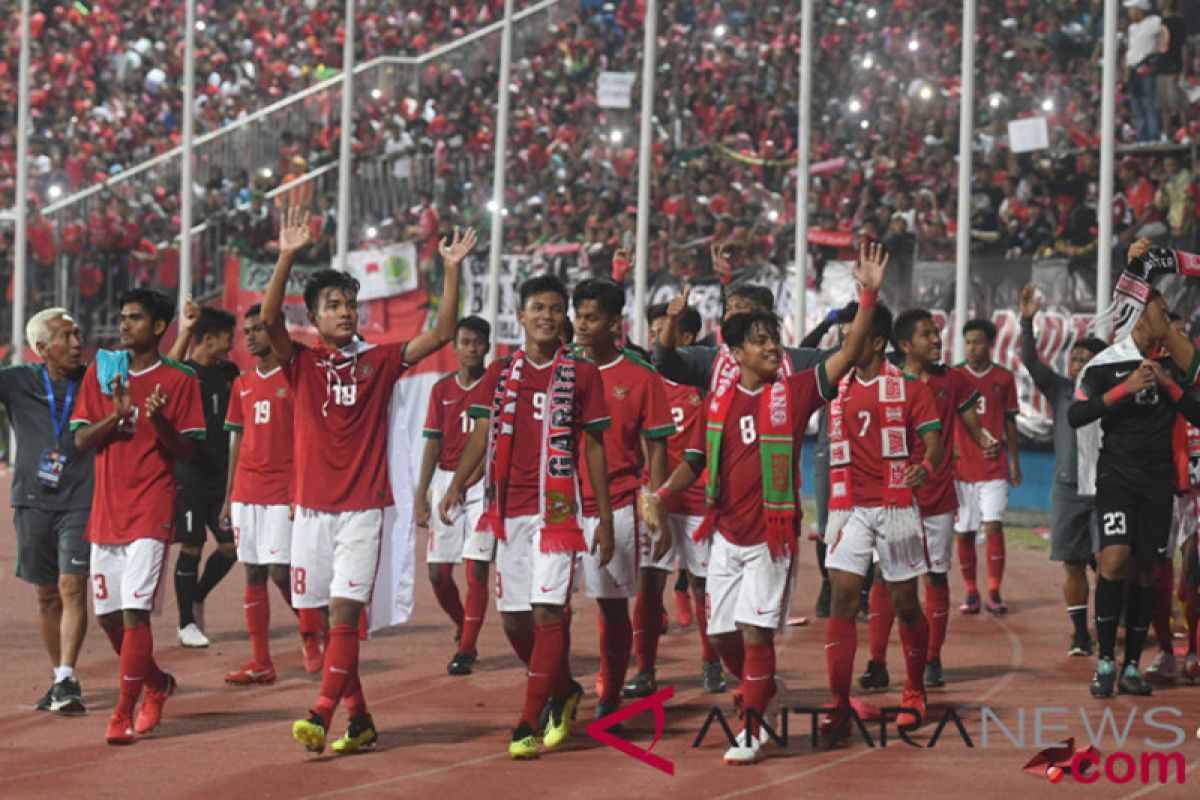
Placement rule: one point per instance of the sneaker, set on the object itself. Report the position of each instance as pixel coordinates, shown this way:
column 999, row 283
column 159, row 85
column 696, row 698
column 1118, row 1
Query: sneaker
column 875, row 679
column 120, row 729
column 66, row 697
column 45, row 701
column 746, row 750
column 251, row 673
column 604, row 709
column 915, row 701
column 458, row 635
column 714, row 677
column 835, row 728
column 971, row 605
column 933, row 674
column 461, row 664
column 642, row 685
column 1105, row 679
column 821, row 610
column 314, row 659
column 310, row 732
column 995, row 605
column 192, row 636
column 1081, row 646
column 523, row 745
column 1191, row 669
column 684, row 614
column 360, row 735
column 150, row 714
column 1133, row 683
column 562, row 714
column 1165, row 668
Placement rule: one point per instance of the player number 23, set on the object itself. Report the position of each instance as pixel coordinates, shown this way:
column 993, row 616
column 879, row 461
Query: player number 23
column 1114, row 523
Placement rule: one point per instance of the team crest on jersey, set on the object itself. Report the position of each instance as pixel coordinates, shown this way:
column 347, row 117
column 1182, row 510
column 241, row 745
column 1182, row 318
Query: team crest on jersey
column 942, row 394
column 558, row 507
column 694, row 399
column 281, row 391
column 365, row 370
column 620, row 392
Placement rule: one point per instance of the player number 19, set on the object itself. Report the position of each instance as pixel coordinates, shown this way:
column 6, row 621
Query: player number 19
column 262, row 412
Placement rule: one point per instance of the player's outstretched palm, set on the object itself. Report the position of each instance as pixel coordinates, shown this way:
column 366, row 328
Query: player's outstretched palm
column 294, row 232
column 120, row 396
column 872, row 263
column 155, row 403
column 191, row 313
column 455, row 250
column 1139, row 249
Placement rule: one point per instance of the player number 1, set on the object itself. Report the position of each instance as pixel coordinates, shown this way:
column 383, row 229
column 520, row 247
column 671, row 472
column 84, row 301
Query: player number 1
column 467, row 423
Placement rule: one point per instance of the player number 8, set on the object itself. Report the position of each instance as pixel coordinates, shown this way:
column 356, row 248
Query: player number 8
column 747, row 426
column 1114, row 523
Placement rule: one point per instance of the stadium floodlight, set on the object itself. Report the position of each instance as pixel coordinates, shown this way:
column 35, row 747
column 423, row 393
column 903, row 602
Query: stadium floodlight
column 1048, row 105
column 200, row 26
column 615, row 136
column 913, row 45
column 868, row 62
column 864, row 124
column 773, row 215
column 720, row 31
column 996, row 100
column 871, row 13
column 372, row 232
column 267, row 173
column 54, row 192
column 855, row 106
column 926, row 92
column 376, row 94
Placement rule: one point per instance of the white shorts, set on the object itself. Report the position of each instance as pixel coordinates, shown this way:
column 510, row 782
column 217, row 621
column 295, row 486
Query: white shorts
column 692, row 555
column 618, row 579
column 980, row 502
column 524, row 574
column 861, row 542
column 1183, row 522
column 745, row 584
column 334, row 554
column 127, row 576
column 939, row 541
column 263, row 533
column 450, row 544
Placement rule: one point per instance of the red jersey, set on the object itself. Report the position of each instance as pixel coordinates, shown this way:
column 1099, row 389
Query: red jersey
column 740, row 517
column 341, row 424
column 260, row 409
column 687, row 412
column 590, row 414
column 952, row 394
column 863, row 417
column 637, row 408
column 997, row 402
column 134, row 496
column 449, row 418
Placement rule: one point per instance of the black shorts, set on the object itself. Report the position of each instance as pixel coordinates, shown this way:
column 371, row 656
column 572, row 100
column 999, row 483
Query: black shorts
column 1073, row 531
column 50, row 544
column 194, row 513
column 1138, row 515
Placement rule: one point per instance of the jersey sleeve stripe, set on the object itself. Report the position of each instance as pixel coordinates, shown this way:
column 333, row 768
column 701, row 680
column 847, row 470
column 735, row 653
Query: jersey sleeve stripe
column 660, row 432
column 479, row 412
column 233, row 427
column 195, row 433
column 828, row 392
column 970, row 401
column 431, row 433
column 1193, row 372
column 932, row 425
column 694, row 457
column 598, row 424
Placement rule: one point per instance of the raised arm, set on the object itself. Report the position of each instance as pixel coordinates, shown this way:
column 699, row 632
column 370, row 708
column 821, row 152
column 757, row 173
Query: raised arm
column 869, row 271
column 1045, row 379
column 294, row 234
column 453, row 252
column 689, row 366
column 187, row 326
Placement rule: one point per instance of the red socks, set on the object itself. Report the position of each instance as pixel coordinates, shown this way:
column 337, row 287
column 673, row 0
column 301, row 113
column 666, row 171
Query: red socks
column 707, row 652
column 137, row 667
column 995, row 557
column 966, row 558
column 759, row 685
column 647, row 628
column 256, row 603
column 1164, row 587
column 115, row 637
column 616, row 641
column 522, row 645
column 341, row 664
column 544, row 666
column 476, row 610
column 446, row 592
column 915, row 641
column 733, row 655
column 841, row 640
column 311, row 623
column 937, row 612
column 879, row 620
column 356, row 702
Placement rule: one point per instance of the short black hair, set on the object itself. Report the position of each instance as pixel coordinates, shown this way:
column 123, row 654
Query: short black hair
column 253, row 311
column 328, row 279
column 542, row 284
column 477, row 324
column 881, row 322
column 607, row 294
column 761, row 296
column 159, row 306
column 1090, row 343
column 215, row 321
column 735, row 329
column 905, row 325
column 985, row 326
column 690, row 320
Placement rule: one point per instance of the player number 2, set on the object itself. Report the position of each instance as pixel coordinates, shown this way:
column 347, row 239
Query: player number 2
column 539, row 406
column 262, row 412
column 1114, row 523
column 747, row 427
column 299, row 580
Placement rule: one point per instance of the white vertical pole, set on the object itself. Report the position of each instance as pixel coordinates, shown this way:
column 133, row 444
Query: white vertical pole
column 804, row 108
column 345, row 165
column 1108, row 113
column 966, row 131
column 645, row 163
column 186, row 193
column 20, row 254
column 498, row 172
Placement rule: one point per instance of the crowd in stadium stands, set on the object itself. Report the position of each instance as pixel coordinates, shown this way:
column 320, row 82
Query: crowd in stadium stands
column 884, row 141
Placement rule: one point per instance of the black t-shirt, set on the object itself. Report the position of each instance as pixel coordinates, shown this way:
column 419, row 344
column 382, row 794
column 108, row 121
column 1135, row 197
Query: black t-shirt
column 206, row 473
column 1171, row 62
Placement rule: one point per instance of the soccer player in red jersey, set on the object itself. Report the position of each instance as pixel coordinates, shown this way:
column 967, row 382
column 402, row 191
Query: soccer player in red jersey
column 141, row 422
column 258, row 501
column 341, row 390
column 545, row 405
column 918, row 339
column 448, row 425
column 982, row 481
column 755, row 426
column 874, row 426
column 640, row 418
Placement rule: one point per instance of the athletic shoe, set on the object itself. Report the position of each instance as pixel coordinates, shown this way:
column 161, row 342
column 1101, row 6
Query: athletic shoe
column 360, row 735
column 915, row 701
column 714, row 677
column 314, row 659
column 746, row 750
column 310, row 732
column 875, row 679
column 933, row 674
column 1191, row 669
column 995, row 605
column 642, row 685
column 120, row 729
column 971, row 605
column 1081, row 645
column 562, row 714
column 150, row 714
column 191, row 636
column 251, row 673
column 683, row 609
column 458, row 635
column 45, row 701
column 66, row 697
column 461, row 664
column 1105, row 679
column 603, row 709
column 835, row 728
column 821, row 611
column 1165, row 668
column 523, row 745
column 1132, row 682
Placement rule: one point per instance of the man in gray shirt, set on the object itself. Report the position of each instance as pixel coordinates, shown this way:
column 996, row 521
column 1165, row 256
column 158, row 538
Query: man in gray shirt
column 1073, row 516
column 51, row 495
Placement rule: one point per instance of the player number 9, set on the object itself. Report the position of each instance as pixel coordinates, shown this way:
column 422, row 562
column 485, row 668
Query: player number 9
column 539, row 406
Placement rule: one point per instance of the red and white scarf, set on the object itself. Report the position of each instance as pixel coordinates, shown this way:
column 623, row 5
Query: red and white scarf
column 557, row 474
column 726, row 372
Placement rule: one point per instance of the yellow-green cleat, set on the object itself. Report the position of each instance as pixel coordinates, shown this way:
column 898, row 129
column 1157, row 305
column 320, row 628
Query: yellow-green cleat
column 562, row 714
column 523, row 745
column 310, row 733
column 361, row 735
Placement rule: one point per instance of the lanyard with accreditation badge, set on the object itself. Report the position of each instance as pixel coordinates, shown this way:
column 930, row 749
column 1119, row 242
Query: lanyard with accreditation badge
column 54, row 461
